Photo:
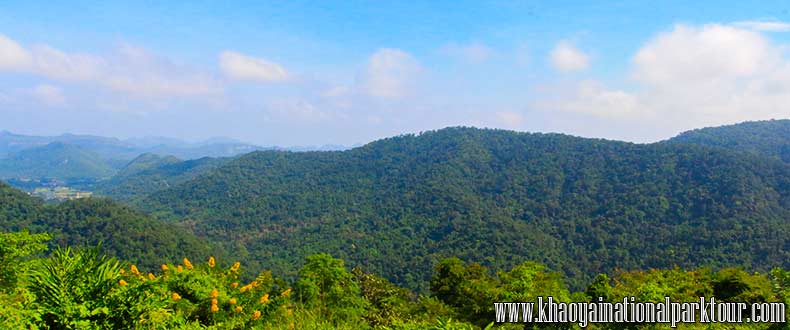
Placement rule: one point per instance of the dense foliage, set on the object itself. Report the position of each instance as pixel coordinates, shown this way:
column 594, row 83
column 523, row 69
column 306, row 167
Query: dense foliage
column 580, row 206
column 420, row 218
column 144, row 162
column 123, row 232
column 153, row 173
column 770, row 138
column 55, row 160
column 83, row 289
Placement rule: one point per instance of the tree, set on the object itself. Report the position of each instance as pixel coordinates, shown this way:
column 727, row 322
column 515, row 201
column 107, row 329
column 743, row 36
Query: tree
column 467, row 288
column 71, row 288
column 14, row 250
column 325, row 284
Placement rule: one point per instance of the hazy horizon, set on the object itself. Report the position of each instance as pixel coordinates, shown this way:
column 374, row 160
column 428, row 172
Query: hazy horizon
column 361, row 143
column 339, row 73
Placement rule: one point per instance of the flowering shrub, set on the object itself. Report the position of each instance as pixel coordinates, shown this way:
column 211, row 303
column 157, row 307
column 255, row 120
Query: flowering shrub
column 201, row 294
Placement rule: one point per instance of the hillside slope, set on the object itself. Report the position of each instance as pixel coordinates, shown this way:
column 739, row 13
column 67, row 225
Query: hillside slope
column 132, row 184
column 55, row 160
column 123, row 232
column 583, row 206
column 770, row 138
column 144, row 162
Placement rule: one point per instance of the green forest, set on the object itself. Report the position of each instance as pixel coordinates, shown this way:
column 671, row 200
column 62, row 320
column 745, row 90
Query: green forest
column 580, row 206
column 84, row 289
column 418, row 231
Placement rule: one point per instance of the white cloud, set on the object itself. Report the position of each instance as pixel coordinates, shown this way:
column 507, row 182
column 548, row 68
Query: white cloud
column 53, row 63
column 242, row 67
column 592, row 98
column 340, row 96
column 566, row 57
column 474, row 52
column 139, row 72
column 767, row 26
column 130, row 70
column 723, row 74
column 691, row 55
column 49, row 95
column 12, row 55
column 390, row 73
column 691, row 76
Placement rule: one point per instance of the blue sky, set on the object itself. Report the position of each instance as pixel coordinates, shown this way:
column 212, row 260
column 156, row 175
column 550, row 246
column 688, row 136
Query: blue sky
column 311, row 73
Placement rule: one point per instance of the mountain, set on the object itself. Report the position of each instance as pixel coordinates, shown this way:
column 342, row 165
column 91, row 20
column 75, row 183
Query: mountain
column 119, row 152
column 26, row 163
column 770, row 138
column 144, row 162
column 55, row 160
column 83, row 161
column 107, row 148
column 158, row 174
column 123, row 232
column 582, row 206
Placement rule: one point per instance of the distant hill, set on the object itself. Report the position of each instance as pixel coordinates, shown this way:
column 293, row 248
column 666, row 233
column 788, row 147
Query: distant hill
column 107, row 148
column 120, row 152
column 163, row 172
column 55, row 160
column 582, row 206
column 770, row 138
column 144, row 162
column 28, row 161
column 123, row 232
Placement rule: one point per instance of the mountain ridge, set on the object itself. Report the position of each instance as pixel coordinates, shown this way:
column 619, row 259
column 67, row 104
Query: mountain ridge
column 578, row 205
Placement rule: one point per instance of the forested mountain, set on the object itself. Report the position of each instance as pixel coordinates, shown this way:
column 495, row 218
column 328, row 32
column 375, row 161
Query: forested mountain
column 144, row 162
column 123, row 232
column 770, row 138
column 581, row 206
column 157, row 175
column 55, row 160
column 108, row 148
column 120, row 152
column 86, row 162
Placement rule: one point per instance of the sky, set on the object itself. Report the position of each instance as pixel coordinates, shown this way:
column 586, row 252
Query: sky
column 293, row 73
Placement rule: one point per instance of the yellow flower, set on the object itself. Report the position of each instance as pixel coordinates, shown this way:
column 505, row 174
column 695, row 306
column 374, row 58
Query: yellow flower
column 239, row 309
column 214, row 293
column 234, row 284
column 134, row 270
column 214, row 301
column 236, row 266
column 286, row 293
column 122, row 271
column 246, row 288
column 151, row 276
column 211, row 262
column 265, row 299
column 175, row 296
column 256, row 315
column 180, row 269
column 214, row 308
column 187, row 263
column 164, row 267
column 232, row 301
column 122, row 283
